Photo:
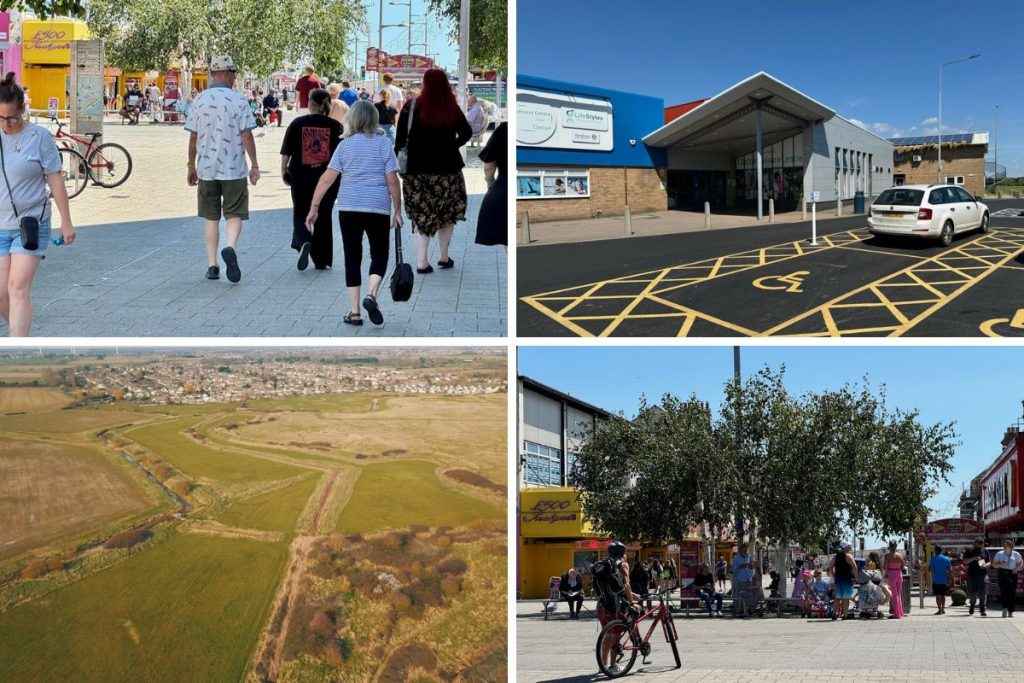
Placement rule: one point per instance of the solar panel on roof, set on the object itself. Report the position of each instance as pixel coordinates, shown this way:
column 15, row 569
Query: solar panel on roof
column 933, row 139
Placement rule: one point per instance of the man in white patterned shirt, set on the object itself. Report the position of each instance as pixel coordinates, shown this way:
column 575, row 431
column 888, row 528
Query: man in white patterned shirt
column 220, row 123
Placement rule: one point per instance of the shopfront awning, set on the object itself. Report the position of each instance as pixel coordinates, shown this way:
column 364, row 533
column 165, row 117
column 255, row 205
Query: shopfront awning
column 728, row 121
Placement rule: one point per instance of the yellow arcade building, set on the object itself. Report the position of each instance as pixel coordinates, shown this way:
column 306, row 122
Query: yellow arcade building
column 46, row 58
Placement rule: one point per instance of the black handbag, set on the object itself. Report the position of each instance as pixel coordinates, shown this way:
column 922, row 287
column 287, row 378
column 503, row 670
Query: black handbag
column 402, row 277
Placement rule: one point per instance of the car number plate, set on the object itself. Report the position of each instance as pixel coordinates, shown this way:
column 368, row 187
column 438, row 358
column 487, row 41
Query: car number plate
column 893, row 214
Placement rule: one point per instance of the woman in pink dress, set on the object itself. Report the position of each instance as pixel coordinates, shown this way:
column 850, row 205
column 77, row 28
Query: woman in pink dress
column 893, row 563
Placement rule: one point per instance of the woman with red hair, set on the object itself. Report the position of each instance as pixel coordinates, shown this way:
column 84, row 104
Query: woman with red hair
column 431, row 129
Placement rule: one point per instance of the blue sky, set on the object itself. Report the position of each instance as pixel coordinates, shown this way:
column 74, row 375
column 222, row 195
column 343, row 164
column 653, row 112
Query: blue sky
column 874, row 63
column 977, row 387
column 396, row 40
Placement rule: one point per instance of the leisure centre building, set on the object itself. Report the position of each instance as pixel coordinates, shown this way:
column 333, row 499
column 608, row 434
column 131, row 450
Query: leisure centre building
column 584, row 152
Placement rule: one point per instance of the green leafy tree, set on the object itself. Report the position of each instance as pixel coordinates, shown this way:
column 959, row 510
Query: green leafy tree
column 259, row 36
column 488, row 30
column 45, row 9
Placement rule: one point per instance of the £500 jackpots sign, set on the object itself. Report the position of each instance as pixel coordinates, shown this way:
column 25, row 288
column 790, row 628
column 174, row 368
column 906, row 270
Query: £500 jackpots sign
column 560, row 121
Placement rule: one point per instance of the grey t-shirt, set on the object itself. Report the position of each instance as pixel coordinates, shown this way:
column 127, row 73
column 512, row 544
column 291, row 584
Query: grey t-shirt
column 28, row 157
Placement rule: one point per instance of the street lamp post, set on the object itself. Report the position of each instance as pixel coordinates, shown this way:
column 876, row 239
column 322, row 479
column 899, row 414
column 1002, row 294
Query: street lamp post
column 938, row 174
column 995, row 171
column 408, row 49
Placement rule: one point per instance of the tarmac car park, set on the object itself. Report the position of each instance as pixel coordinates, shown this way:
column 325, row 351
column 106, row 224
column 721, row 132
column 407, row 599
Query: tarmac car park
column 770, row 280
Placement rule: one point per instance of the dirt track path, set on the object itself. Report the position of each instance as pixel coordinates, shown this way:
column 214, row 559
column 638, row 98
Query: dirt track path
column 325, row 499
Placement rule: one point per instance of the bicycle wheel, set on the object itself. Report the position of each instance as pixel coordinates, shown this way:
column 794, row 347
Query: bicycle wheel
column 110, row 164
column 616, row 649
column 673, row 636
column 75, row 171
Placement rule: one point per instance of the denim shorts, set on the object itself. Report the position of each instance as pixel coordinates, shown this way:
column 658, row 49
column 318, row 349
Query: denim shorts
column 10, row 241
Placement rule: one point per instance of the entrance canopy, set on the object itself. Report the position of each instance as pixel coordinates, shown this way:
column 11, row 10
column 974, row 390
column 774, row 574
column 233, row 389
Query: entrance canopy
column 728, row 121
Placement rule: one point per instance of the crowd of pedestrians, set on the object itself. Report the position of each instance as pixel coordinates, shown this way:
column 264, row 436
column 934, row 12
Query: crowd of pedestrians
column 820, row 588
column 368, row 161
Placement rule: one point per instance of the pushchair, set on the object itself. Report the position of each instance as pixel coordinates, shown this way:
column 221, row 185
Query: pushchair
column 821, row 604
column 870, row 595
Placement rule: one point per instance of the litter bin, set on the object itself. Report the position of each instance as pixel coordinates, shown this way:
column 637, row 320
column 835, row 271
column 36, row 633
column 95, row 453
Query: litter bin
column 858, row 202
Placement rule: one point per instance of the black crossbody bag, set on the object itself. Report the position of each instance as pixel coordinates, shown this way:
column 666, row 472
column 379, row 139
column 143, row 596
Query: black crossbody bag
column 29, row 225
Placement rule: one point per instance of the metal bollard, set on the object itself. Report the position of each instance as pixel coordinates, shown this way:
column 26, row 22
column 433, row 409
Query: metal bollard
column 524, row 237
column 771, row 211
column 629, row 221
column 803, row 210
column 707, row 214
column 839, row 207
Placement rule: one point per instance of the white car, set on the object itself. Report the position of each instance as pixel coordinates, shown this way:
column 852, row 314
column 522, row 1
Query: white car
column 932, row 211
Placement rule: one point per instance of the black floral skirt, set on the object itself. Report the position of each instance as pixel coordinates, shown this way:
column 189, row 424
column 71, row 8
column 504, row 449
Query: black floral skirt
column 433, row 201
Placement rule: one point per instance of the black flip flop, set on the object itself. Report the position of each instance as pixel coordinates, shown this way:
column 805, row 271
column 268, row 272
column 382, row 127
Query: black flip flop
column 444, row 265
column 424, row 271
column 304, row 256
column 352, row 319
column 370, row 304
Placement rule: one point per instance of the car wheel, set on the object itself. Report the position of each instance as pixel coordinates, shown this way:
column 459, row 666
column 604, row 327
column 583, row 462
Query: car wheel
column 946, row 236
column 985, row 227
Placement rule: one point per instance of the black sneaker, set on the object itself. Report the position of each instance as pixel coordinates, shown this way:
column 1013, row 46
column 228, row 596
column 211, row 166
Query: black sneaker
column 983, row 613
column 971, row 611
column 231, row 261
column 304, row 256
column 213, row 273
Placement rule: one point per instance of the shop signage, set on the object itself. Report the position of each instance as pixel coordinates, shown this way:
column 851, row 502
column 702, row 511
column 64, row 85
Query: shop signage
column 47, row 42
column 5, row 30
column 999, row 497
column 372, row 59
column 563, row 121
column 407, row 63
column 551, row 513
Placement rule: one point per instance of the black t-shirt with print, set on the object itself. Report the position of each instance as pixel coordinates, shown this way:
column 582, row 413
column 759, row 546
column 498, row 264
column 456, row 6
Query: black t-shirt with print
column 975, row 568
column 309, row 142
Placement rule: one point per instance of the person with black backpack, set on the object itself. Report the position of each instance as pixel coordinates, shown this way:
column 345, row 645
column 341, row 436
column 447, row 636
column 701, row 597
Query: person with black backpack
column 615, row 598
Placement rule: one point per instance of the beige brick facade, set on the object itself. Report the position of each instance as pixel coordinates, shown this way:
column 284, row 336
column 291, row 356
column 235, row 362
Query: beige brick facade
column 610, row 190
column 957, row 160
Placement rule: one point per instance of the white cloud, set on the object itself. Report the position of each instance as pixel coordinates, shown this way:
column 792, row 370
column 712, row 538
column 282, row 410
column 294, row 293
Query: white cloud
column 883, row 130
column 930, row 121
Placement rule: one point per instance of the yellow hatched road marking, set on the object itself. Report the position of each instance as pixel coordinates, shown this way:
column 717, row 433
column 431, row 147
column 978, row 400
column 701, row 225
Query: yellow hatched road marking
column 664, row 280
column 991, row 251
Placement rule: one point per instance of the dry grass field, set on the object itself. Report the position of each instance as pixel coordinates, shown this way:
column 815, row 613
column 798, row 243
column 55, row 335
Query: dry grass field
column 66, row 421
column 30, row 399
column 49, row 491
column 442, row 428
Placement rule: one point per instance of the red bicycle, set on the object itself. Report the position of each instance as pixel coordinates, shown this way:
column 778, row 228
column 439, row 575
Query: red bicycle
column 107, row 165
column 620, row 641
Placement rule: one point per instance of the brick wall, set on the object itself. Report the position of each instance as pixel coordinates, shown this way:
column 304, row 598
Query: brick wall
column 610, row 190
column 957, row 160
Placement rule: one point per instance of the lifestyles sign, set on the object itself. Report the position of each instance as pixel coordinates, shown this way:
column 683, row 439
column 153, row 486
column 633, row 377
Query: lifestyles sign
column 559, row 121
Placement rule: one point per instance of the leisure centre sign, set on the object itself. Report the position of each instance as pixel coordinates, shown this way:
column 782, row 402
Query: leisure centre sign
column 560, row 121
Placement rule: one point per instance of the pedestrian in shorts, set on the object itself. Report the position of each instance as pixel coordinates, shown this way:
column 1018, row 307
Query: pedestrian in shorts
column 220, row 123
column 940, row 566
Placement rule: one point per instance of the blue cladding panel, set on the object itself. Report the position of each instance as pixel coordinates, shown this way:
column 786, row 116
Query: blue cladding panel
column 634, row 116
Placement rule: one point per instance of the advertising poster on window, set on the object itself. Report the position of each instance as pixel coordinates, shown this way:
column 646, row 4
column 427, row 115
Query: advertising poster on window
column 528, row 186
column 577, row 186
column 554, row 187
column 556, row 184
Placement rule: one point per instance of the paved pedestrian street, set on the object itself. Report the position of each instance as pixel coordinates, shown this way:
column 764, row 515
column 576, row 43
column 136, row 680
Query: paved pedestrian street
column 921, row 647
column 138, row 266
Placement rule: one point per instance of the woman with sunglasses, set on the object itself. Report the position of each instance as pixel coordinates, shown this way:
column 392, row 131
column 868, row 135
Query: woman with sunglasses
column 29, row 162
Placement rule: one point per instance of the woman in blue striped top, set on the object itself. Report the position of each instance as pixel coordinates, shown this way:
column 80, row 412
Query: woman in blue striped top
column 369, row 201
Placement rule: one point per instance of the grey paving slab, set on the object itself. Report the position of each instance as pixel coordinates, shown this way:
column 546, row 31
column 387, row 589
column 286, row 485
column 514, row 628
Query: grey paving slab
column 922, row 647
column 138, row 266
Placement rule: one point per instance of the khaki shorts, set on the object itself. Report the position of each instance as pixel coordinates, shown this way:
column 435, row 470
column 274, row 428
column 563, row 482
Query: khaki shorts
column 233, row 195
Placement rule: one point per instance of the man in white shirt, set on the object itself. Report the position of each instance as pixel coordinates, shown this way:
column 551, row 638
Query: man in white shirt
column 1008, row 567
column 397, row 96
column 475, row 117
column 220, row 124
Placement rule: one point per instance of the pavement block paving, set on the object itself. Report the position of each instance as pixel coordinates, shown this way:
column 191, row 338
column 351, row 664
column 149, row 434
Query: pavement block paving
column 139, row 263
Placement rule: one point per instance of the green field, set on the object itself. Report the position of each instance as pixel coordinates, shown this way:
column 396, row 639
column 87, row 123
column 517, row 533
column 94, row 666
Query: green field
column 398, row 494
column 345, row 403
column 195, row 460
column 187, row 609
column 274, row 511
column 66, row 421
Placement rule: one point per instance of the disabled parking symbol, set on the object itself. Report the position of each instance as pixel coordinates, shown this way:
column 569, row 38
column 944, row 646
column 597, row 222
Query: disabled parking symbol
column 1016, row 325
column 783, row 283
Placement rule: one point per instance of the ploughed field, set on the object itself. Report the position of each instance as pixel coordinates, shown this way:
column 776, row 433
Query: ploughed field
column 201, row 542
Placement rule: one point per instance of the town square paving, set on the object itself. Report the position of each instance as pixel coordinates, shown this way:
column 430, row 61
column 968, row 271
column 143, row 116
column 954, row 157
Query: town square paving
column 137, row 268
column 921, row 647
